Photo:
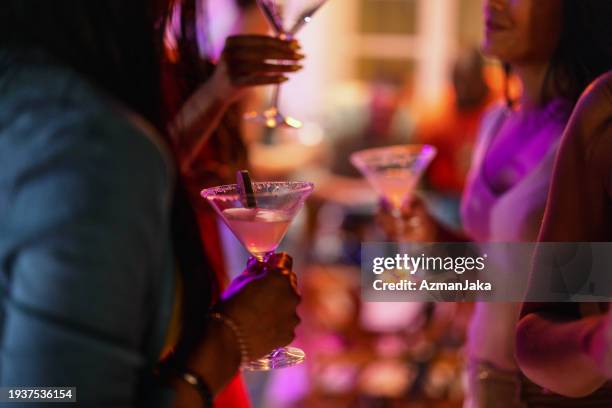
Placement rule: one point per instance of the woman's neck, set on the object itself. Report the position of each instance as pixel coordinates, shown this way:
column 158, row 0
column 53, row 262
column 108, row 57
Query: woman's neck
column 532, row 77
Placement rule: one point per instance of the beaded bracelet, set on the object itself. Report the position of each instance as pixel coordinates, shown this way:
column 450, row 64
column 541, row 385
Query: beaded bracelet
column 242, row 346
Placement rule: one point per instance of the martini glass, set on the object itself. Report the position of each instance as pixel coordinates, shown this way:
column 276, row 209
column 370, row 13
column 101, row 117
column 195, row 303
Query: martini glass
column 261, row 229
column 286, row 17
column 394, row 171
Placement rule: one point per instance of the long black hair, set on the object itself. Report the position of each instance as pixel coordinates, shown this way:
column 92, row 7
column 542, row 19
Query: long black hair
column 110, row 42
column 584, row 51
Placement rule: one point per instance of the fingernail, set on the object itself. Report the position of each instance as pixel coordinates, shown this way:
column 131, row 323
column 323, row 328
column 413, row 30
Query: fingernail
column 297, row 55
column 294, row 45
column 297, row 67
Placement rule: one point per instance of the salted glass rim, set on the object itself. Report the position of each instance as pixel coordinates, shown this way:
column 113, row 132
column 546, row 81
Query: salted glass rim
column 229, row 191
column 363, row 156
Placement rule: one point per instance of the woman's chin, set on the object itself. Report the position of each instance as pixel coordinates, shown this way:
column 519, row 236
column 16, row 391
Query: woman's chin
column 494, row 46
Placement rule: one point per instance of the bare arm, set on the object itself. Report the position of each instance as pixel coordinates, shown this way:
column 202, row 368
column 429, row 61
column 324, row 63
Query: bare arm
column 553, row 342
column 551, row 352
column 216, row 361
column 245, row 63
column 262, row 303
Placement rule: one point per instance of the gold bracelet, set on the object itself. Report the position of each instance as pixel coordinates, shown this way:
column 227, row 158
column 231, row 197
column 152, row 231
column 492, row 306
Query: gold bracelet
column 242, row 346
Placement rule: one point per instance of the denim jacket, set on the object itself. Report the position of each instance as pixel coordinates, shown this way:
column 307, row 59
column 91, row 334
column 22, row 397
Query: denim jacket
column 86, row 277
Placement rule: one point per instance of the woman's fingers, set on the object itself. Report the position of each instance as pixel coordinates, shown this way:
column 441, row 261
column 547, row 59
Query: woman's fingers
column 262, row 68
column 252, row 69
column 253, row 60
column 283, row 263
column 294, row 284
column 256, row 80
column 257, row 54
column 280, row 260
column 264, row 41
column 260, row 48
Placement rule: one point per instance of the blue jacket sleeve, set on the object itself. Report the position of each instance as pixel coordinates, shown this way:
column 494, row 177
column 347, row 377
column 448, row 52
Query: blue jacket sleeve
column 84, row 252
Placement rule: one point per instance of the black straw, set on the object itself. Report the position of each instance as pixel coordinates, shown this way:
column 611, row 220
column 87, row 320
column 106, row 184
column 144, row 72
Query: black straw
column 245, row 187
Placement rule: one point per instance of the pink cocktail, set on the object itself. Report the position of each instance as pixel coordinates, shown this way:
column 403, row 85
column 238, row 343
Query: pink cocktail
column 394, row 171
column 260, row 230
column 260, row 223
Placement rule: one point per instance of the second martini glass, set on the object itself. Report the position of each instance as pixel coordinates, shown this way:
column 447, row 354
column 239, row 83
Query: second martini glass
column 260, row 229
column 286, row 17
column 394, row 171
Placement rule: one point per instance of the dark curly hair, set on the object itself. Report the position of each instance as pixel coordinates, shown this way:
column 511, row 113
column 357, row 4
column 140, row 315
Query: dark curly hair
column 111, row 42
column 116, row 45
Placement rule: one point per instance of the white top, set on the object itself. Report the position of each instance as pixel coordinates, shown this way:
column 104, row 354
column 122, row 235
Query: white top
column 532, row 138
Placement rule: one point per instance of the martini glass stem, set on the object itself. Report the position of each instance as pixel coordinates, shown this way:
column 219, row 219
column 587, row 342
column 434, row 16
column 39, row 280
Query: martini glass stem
column 276, row 97
column 400, row 223
column 277, row 88
column 262, row 258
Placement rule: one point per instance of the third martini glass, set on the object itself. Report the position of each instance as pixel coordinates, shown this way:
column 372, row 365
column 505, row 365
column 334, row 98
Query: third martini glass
column 394, row 171
column 286, row 17
column 260, row 228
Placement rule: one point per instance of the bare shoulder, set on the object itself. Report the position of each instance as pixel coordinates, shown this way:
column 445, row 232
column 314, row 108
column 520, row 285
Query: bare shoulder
column 602, row 86
column 594, row 108
column 589, row 131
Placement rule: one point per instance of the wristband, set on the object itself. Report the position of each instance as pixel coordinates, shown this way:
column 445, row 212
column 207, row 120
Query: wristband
column 200, row 386
column 167, row 370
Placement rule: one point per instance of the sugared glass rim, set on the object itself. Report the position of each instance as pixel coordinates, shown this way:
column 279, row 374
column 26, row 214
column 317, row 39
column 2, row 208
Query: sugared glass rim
column 416, row 148
column 228, row 191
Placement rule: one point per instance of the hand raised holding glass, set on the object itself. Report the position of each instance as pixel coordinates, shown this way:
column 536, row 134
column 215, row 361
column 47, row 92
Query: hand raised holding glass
column 247, row 61
column 254, row 60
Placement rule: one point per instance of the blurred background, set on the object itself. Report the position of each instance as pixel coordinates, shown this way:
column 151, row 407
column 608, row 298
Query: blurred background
column 377, row 72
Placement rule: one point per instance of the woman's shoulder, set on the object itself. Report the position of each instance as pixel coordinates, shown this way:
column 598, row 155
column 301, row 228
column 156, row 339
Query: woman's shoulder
column 53, row 106
column 59, row 133
column 589, row 130
column 588, row 135
column 594, row 108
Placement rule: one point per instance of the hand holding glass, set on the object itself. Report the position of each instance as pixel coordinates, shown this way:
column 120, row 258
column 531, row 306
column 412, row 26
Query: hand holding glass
column 260, row 230
column 286, row 17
